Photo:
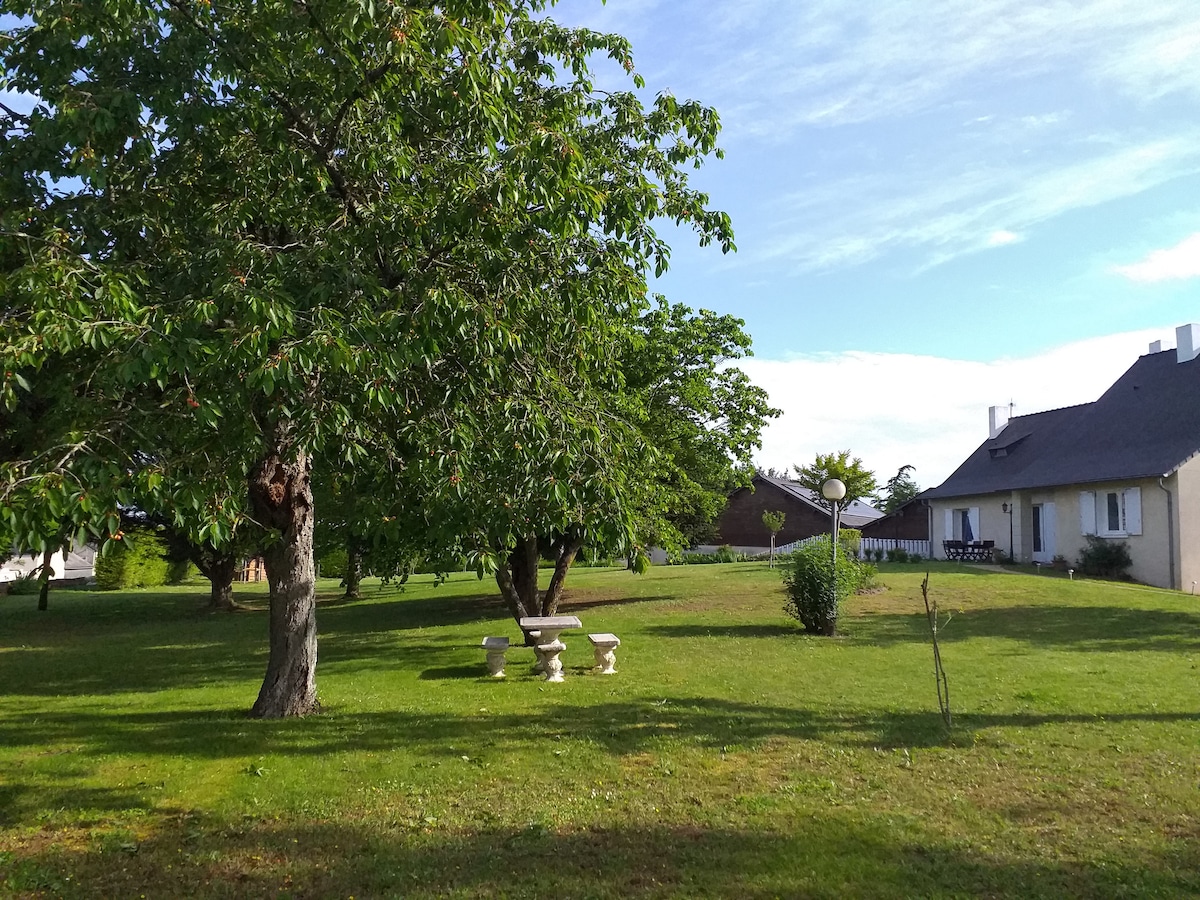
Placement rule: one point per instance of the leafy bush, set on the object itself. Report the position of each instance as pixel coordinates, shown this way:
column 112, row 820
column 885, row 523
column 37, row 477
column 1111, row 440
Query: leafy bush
column 139, row 560
column 25, row 584
column 1105, row 559
column 877, row 554
column 915, row 557
column 333, row 564
column 814, row 594
column 724, row 554
column 850, row 539
column 179, row 571
column 897, row 555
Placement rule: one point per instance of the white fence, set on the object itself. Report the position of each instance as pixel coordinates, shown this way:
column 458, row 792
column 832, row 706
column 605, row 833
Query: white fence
column 869, row 544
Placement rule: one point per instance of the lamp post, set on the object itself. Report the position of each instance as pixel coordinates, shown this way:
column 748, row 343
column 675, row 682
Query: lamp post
column 833, row 490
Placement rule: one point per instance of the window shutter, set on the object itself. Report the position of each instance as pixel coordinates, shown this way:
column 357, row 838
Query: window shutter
column 973, row 517
column 1133, row 510
column 948, row 535
column 1087, row 512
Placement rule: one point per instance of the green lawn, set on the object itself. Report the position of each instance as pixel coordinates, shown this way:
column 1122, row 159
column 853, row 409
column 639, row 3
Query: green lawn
column 730, row 757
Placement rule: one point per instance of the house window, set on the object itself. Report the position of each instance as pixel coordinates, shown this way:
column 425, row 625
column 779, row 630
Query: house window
column 1037, row 528
column 1111, row 513
column 1114, row 507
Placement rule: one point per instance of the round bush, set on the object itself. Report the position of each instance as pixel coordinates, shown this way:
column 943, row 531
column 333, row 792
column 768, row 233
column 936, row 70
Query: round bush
column 811, row 597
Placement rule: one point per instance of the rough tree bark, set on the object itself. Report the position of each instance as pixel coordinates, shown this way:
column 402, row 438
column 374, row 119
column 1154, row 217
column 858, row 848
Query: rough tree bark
column 517, row 578
column 354, row 571
column 566, row 549
column 44, row 581
column 518, row 581
column 281, row 498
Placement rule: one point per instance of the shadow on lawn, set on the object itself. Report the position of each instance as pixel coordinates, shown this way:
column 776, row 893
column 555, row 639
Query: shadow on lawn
column 762, row 630
column 1063, row 627
column 162, row 641
column 827, row 854
column 620, row 728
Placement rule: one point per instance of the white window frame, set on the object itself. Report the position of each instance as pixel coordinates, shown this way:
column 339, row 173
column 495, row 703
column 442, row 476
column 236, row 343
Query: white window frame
column 1093, row 507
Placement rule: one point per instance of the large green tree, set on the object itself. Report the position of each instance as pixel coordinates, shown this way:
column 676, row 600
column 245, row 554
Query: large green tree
column 242, row 235
column 701, row 414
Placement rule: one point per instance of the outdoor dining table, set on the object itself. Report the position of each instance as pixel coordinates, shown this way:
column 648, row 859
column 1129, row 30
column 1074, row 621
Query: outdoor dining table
column 548, row 645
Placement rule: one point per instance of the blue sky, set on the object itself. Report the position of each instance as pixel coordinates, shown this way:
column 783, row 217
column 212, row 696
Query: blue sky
column 939, row 206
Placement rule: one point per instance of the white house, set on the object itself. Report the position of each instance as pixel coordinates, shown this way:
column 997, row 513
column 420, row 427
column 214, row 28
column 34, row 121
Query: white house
column 76, row 563
column 1122, row 468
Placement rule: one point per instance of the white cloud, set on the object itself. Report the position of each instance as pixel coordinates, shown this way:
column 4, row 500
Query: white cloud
column 1180, row 261
column 896, row 409
column 1002, row 237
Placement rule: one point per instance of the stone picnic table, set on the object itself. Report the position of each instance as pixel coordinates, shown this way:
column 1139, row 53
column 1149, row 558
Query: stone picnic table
column 548, row 629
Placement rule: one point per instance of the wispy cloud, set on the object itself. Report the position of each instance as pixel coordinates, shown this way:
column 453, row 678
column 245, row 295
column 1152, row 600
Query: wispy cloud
column 928, row 412
column 856, row 219
column 830, row 63
column 1173, row 263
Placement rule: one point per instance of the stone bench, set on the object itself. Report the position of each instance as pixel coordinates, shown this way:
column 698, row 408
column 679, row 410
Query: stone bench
column 605, row 646
column 496, row 647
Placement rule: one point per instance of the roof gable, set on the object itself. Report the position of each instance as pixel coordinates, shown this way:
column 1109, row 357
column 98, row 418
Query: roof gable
column 1146, row 425
column 857, row 513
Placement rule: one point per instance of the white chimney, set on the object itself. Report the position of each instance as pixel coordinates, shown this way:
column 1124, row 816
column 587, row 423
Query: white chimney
column 1187, row 343
column 1156, row 346
column 997, row 419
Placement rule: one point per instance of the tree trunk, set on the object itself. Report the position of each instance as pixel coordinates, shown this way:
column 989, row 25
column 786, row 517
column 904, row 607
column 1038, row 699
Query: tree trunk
column 568, row 548
column 44, row 579
column 220, row 573
column 518, row 581
column 281, row 498
column 354, row 571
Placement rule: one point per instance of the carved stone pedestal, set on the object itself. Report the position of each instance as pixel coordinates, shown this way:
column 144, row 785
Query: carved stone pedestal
column 605, row 647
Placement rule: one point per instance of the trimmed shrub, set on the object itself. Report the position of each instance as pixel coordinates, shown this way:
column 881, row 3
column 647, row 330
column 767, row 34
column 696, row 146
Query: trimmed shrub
column 814, row 594
column 897, row 555
column 140, row 560
column 1105, row 559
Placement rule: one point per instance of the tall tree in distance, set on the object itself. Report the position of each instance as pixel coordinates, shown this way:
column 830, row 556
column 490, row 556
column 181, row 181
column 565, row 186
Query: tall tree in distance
column 898, row 490
column 860, row 482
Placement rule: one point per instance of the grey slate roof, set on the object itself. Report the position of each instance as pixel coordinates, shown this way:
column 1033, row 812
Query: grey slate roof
column 853, row 516
column 1146, row 425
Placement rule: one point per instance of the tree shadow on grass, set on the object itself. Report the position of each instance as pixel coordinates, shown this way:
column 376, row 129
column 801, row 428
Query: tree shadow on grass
column 571, row 605
column 823, row 854
column 619, row 728
column 764, row 630
column 1083, row 628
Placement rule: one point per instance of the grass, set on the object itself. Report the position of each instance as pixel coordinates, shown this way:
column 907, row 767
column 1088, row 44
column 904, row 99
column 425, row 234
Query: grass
column 731, row 757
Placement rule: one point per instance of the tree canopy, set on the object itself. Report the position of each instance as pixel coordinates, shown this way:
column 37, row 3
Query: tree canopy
column 898, row 490
column 241, row 236
column 860, row 482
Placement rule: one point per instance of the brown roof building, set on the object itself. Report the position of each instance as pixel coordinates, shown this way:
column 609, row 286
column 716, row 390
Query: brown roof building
column 741, row 525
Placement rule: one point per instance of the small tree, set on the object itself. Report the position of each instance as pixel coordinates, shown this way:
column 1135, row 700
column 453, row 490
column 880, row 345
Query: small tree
column 773, row 519
column 816, row 589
